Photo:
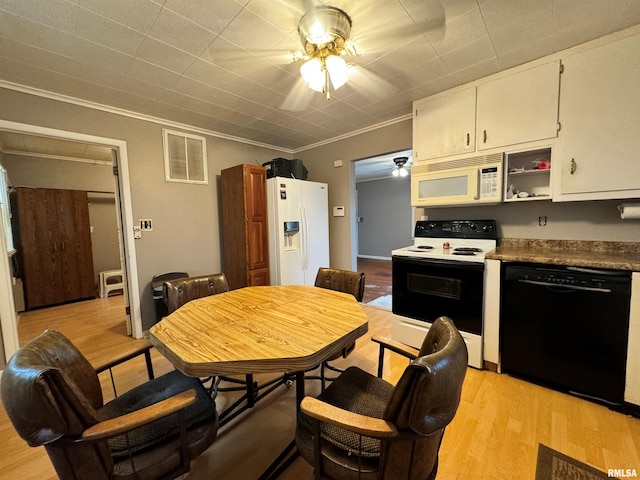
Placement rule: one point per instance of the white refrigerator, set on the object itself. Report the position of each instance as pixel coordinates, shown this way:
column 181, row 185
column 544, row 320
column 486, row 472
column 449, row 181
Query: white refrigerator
column 298, row 230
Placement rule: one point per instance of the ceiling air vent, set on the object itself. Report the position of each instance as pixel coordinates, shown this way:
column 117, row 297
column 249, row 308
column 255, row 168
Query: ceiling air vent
column 185, row 157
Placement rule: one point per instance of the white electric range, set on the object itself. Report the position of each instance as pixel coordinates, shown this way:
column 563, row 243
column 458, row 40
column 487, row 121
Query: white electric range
column 442, row 273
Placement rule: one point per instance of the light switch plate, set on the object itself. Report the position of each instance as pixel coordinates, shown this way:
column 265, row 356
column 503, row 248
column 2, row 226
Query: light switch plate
column 338, row 211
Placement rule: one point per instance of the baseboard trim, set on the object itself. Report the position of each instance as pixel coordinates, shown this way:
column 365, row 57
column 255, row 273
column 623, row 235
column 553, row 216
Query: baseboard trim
column 374, row 257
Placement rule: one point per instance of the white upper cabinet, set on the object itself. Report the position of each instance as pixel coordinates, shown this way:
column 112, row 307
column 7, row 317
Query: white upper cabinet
column 519, row 108
column 600, row 118
column 444, row 125
column 511, row 110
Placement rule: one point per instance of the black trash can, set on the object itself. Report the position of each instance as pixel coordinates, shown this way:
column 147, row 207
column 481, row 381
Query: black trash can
column 157, row 290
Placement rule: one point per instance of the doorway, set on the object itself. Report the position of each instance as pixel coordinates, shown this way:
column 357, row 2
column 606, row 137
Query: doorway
column 122, row 195
column 384, row 218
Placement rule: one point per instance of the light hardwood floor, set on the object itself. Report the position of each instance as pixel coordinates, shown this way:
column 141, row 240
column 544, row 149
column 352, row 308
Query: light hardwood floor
column 495, row 434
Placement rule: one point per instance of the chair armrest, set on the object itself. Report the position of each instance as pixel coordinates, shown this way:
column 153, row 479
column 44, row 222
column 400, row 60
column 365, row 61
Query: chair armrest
column 124, row 423
column 138, row 347
column 361, row 424
column 397, row 347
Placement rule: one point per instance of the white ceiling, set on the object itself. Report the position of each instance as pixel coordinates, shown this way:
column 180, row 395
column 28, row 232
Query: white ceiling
column 224, row 65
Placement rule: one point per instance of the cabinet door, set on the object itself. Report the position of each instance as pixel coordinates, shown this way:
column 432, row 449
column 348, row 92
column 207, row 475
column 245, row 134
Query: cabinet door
column 600, row 117
column 256, row 217
column 520, row 108
column 55, row 245
column 74, row 240
column 444, row 125
column 259, row 278
column 38, row 247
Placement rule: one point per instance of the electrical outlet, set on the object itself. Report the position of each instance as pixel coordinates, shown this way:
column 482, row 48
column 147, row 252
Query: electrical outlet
column 542, row 221
column 137, row 232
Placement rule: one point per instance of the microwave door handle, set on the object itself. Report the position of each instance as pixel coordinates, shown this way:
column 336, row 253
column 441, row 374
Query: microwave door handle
column 476, row 196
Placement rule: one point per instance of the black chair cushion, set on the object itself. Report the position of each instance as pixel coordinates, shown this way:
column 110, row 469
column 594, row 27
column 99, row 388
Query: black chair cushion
column 154, row 391
column 360, row 392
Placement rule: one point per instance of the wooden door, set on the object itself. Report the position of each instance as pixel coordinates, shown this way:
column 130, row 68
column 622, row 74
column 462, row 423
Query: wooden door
column 74, row 239
column 55, row 245
column 38, row 247
column 257, row 227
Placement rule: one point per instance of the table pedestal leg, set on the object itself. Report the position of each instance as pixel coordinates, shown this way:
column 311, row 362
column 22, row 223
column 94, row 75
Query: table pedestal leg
column 290, row 453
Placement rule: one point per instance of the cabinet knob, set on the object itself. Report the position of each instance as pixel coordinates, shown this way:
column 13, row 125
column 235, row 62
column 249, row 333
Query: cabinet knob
column 484, row 136
column 573, row 166
column 468, row 139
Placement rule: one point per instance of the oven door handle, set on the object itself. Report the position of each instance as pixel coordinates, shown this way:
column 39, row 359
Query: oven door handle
column 565, row 287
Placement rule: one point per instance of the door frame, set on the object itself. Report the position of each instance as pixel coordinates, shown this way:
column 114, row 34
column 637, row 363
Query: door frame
column 8, row 316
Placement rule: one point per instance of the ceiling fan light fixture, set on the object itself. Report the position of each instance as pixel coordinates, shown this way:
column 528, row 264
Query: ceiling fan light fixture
column 312, row 72
column 400, row 170
column 324, row 32
column 337, row 68
column 324, row 24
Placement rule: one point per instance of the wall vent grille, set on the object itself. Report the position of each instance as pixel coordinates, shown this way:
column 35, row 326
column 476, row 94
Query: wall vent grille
column 463, row 162
column 185, row 157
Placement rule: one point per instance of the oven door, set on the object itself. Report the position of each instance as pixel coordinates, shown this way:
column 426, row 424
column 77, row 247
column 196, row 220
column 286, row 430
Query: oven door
column 425, row 289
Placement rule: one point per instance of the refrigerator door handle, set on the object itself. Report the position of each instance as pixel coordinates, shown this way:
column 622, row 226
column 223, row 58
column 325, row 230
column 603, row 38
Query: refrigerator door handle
column 304, row 243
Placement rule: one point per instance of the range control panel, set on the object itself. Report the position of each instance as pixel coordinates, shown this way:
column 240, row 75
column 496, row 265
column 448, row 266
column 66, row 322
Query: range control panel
column 478, row 229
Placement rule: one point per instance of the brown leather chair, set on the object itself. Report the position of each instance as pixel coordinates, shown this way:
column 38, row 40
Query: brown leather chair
column 344, row 281
column 362, row 427
column 183, row 290
column 180, row 291
column 341, row 281
column 53, row 397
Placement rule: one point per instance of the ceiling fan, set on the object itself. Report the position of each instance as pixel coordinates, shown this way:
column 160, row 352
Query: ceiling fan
column 400, row 169
column 326, row 35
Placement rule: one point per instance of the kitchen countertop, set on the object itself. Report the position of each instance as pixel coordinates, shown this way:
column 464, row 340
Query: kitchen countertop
column 575, row 253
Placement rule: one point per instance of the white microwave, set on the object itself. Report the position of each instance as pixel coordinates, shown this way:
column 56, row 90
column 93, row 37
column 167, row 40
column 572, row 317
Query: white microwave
column 469, row 181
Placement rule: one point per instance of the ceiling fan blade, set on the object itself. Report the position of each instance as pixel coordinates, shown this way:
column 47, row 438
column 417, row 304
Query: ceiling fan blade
column 299, row 98
column 428, row 18
column 369, row 84
column 289, row 11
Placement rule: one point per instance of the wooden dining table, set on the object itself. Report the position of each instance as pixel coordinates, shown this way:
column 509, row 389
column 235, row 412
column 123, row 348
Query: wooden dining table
column 270, row 329
column 259, row 330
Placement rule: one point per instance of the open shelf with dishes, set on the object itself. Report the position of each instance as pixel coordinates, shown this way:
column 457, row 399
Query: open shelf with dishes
column 528, row 175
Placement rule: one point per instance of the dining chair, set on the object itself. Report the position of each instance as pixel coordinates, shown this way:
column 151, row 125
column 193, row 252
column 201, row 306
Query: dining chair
column 362, row 427
column 180, row 291
column 344, row 281
column 53, row 397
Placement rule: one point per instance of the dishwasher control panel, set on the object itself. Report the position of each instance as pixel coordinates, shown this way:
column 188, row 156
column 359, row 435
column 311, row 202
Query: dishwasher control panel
column 582, row 279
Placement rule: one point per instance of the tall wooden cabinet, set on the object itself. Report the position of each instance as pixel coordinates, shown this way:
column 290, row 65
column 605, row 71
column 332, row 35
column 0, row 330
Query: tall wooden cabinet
column 244, row 225
column 53, row 239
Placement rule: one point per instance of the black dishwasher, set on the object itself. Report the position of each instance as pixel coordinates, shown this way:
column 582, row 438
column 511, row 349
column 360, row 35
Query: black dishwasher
column 566, row 327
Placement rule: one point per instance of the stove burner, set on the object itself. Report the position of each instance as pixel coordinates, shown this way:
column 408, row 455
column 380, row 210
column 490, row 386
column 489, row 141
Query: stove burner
column 463, row 252
column 472, row 250
column 425, row 247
